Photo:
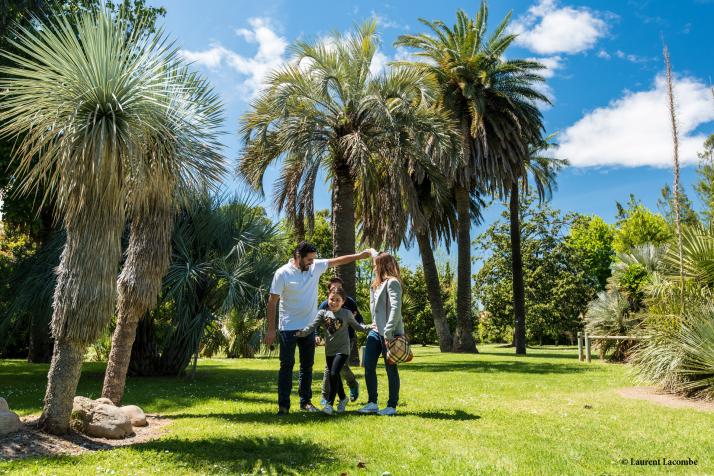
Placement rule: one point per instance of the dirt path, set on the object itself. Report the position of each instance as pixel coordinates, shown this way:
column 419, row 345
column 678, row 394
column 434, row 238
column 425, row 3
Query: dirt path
column 30, row 441
column 652, row 394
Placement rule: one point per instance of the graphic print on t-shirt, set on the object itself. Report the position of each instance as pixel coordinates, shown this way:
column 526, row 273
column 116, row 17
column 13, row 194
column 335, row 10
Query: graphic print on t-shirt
column 332, row 324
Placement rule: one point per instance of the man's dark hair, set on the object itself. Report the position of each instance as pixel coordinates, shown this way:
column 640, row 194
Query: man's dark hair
column 303, row 249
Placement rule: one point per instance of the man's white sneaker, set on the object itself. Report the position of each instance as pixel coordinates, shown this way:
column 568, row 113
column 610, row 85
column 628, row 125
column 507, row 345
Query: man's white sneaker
column 388, row 411
column 369, row 408
column 327, row 409
column 342, row 405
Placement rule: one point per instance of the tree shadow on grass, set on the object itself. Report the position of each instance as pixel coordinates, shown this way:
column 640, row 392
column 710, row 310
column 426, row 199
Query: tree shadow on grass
column 518, row 366
column 238, row 455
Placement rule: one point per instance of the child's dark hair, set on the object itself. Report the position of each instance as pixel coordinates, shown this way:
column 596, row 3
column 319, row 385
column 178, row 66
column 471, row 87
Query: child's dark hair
column 303, row 249
column 335, row 280
column 339, row 292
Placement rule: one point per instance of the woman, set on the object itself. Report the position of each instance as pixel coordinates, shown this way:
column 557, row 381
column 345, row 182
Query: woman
column 385, row 300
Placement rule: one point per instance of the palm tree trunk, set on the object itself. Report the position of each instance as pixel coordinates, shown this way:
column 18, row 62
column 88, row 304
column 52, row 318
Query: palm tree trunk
column 433, row 287
column 62, row 381
column 139, row 285
column 519, row 306
column 463, row 337
column 83, row 300
column 343, row 222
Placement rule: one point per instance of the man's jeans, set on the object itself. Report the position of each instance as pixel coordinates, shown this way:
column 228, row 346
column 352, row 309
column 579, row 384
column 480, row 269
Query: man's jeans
column 374, row 348
column 306, row 348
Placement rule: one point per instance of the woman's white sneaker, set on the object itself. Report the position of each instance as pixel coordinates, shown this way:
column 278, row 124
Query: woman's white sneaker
column 327, row 409
column 369, row 408
column 388, row 411
column 342, row 405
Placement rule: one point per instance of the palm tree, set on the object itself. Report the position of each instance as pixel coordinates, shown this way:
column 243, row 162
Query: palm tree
column 541, row 170
column 492, row 99
column 181, row 161
column 219, row 266
column 325, row 110
column 414, row 199
column 82, row 101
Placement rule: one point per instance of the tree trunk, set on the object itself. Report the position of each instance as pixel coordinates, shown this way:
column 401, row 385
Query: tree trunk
column 433, row 287
column 463, row 337
column 62, row 381
column 519, row 306
column 343, row 222
column 139, row 285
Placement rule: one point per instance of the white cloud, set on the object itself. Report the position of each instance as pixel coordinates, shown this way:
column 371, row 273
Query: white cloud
column 551, row 63
column 379, row 62
column 270, row 54
column 603, row 54
column 386, row 22
column 635, row 129
column 549, row 29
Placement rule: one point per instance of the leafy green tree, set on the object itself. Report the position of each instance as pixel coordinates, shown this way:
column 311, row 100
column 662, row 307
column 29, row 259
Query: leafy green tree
column 665, row 204
column 492, row 100
column 636, row 225
column 705, row 183
column 557, row 285
column 591, row 240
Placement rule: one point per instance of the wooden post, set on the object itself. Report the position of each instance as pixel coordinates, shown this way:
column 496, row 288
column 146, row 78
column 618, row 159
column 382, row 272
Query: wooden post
column 580, row 346
column 587, row 348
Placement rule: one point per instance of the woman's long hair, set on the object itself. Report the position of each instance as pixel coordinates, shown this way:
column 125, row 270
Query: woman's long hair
column 385, row 267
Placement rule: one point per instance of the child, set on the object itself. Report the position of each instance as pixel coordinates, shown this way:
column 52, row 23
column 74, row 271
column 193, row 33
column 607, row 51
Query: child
column 335, row 320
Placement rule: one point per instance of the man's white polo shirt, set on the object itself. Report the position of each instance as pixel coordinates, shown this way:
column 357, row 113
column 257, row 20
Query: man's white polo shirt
column 298, row 293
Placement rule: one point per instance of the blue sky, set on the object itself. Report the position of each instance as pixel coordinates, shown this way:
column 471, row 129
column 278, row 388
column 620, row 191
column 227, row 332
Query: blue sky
column 605, row 77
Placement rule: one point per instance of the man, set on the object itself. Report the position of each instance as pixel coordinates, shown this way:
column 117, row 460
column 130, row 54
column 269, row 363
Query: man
column 295, row 286
column 349, row 376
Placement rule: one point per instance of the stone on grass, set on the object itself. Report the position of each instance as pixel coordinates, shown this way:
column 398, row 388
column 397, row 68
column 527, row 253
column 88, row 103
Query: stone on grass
column 105, row 400
column 134, row 414
column 99, row 419
column 9, row 422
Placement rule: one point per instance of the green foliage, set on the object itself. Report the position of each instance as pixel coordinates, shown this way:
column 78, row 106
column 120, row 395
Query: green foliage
column 705, row 183
column 591, row 239
column 636, row 225
column 418, row 320
column 610, row 315
column 224, row 256
column 687, row 215
column 557, row 284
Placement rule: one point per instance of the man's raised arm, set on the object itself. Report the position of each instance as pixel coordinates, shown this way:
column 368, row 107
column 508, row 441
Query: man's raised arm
column 272, row 304
column 347, row 259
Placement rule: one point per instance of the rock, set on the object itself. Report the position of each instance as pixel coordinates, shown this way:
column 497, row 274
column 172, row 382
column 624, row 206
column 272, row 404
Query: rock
column 99, row 419
column 9, row 422
column 105, row 400
column 3, row 405
column 134, row 414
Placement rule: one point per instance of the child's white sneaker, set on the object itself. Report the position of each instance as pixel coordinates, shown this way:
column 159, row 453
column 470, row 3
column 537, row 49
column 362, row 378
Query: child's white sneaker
column 327, row 409
column 369, row 408
column 388, row 411
column 342, row 405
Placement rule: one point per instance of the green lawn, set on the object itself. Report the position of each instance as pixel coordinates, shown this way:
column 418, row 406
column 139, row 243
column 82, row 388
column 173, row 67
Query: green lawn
column 492, row 413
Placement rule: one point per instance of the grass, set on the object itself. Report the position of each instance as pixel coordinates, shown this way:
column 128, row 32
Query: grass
column 492, row 413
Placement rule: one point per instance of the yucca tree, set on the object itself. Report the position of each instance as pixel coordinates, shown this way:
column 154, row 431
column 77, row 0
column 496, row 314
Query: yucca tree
column 175, row 163
column 82, row 99
column 539, row 173
column 325, row 110
column 492, row 99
